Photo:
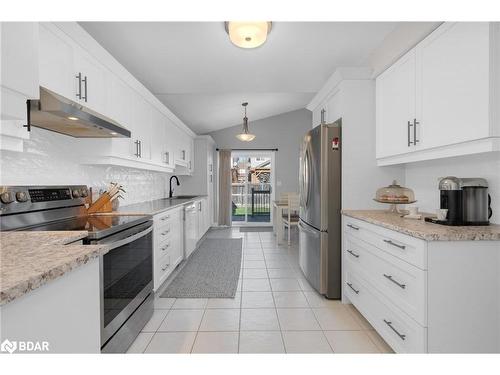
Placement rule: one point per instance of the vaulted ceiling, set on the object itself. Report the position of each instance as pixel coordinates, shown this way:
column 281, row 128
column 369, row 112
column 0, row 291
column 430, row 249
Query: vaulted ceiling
column 194, row 69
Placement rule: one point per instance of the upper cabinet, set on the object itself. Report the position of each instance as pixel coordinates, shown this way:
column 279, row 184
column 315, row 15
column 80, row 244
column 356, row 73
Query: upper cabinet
column 440, row 99
column 18, row 80
column 75, row 66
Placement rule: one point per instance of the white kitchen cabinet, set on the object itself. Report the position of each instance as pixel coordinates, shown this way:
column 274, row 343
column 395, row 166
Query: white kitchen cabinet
column 158, row 129
column 19, row 80
column 454, row 84
column 441, row 98
column 56, row 62
column 169, row 140
column 143, row 118
column 91, row 81
column 395, row 102
column 168, row 244
column 423, row 296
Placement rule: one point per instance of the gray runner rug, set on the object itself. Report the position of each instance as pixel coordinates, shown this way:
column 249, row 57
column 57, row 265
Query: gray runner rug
column 212, row 271
column 256, row 229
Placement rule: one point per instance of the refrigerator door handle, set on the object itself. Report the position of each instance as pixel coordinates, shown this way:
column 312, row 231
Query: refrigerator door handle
column 308, row 230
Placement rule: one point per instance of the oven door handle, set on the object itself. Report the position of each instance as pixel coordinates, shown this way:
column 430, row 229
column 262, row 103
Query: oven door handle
column 126, row 240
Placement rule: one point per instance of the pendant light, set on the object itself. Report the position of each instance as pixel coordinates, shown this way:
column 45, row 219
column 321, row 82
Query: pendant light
column 245, row 136
column 248, row 34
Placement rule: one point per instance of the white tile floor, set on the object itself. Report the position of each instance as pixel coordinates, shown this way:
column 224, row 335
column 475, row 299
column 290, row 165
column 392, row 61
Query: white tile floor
column 275, row 311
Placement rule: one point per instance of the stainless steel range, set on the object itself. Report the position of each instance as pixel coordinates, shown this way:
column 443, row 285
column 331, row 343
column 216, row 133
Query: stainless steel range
column 126, row 276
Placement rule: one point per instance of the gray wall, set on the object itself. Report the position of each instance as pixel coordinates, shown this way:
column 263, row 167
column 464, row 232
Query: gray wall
column 285, row 132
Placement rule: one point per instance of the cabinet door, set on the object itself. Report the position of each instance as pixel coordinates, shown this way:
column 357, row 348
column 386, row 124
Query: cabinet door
column 142, row 126
column 56, row 63
column 120, row 100
column 453, row 84
column 395, row 106
column 19, row 54
column 169, row 142
column 158, row 137
column 93, row 84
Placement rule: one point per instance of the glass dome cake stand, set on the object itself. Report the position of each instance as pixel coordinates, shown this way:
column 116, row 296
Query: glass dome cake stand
column 394, row 195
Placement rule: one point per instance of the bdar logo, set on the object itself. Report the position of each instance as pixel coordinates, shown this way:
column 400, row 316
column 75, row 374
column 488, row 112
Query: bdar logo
column 8, row 346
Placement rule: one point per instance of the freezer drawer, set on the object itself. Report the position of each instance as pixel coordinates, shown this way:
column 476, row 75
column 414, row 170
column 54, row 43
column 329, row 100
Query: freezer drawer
column 310, row 254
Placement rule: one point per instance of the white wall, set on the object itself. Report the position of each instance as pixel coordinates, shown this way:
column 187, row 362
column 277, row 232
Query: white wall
column 423, row 177
column 49, row 159
column 285, row 132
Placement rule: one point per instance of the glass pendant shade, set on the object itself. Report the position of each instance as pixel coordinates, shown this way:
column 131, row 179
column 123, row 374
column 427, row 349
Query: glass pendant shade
column 248, row 34
column 245, row 136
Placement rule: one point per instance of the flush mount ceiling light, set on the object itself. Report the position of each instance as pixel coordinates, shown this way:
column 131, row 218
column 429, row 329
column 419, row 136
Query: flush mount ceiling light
column 248, row 34
column 245, row 136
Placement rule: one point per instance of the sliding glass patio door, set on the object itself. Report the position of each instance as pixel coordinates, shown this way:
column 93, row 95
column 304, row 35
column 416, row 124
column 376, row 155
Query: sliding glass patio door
column 252, row 177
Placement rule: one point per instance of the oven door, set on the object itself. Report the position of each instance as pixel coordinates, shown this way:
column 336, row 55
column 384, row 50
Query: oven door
column 126, row 276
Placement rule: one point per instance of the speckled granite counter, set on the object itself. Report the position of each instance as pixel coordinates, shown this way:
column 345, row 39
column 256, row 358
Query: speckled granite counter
column 154, row 207
column 29, row 260
column 424, row 230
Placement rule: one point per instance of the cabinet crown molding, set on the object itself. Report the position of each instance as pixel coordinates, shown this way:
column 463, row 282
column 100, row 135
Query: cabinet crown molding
column 340, row 74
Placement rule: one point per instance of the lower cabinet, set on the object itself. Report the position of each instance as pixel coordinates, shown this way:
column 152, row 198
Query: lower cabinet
column 423, row 296
column 203, row 217
column 168, row 244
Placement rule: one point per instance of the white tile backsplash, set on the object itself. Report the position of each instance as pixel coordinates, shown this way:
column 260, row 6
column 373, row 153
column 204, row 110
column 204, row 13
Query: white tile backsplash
column 49, row 159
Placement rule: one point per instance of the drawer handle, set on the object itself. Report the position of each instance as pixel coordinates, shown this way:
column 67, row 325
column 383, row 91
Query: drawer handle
column 166, row 232
column 353, row 253
column 165, row 247
column 389, row 277
column 395, row 244
column 353, row 226
column 350, row 286
column 401, row 336
column 164, row 268
column 165, row 218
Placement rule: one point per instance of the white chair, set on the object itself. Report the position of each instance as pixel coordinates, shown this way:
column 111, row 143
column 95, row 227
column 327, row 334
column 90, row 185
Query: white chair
column 291, row 217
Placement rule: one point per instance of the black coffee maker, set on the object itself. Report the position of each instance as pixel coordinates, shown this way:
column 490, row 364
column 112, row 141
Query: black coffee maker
column 466, row 199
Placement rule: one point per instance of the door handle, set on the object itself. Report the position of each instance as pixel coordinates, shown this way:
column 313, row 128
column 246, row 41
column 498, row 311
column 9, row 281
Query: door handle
column 415, row 123
column 84, row 80
column 409, row 134
column 401, row 336
column 389, row 277
column 79, row 92
column 353, row 253
column 350, row 286
column 306, row 229
column 395, row 244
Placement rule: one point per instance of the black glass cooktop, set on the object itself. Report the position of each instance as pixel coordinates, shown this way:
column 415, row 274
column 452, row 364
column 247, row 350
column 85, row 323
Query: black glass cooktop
column 98, row 226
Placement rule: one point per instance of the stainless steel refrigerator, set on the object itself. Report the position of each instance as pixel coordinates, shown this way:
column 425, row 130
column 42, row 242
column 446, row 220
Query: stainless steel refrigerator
column 320, row 204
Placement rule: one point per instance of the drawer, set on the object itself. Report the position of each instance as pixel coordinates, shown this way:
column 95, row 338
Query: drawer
column 402, row 333
column 170, row 215
column 165, row 264
column 401, row 283
column 409, row 249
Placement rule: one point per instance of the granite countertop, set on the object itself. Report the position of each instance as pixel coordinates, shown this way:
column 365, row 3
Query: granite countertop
column 154, row 207
column 424, row 230
column 29, row 260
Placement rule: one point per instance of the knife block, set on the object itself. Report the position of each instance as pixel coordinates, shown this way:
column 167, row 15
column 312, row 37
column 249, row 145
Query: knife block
column 102, row 204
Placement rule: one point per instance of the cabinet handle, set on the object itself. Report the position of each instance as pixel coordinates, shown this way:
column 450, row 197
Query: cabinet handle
column 166, row 232
column 353, row 226
column 353, row 253
column 210, row 178
column 389, row 277
column 415, row 123
column 167, row 158
column 28, row 116
column 165, row 247
column 323, row 116
column 395, row 244
column 164, row 268
column 140, row 149
column 85, row 87
column 137, row 148
column 350, row 286
column 401, row 336
column 199, row 206
column 79, row 92
column 165, row 218
column 409, row 134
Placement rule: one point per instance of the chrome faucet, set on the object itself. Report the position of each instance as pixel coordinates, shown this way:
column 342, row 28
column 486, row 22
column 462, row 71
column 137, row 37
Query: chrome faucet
column 171, row 192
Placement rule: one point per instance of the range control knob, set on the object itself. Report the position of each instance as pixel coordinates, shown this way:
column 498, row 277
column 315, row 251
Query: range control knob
column 7, row 197
column 85, row 192
column 21, row 196
column 76, row 193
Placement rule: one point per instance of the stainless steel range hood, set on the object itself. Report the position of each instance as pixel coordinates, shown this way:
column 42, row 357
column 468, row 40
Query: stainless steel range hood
column 56, row 113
